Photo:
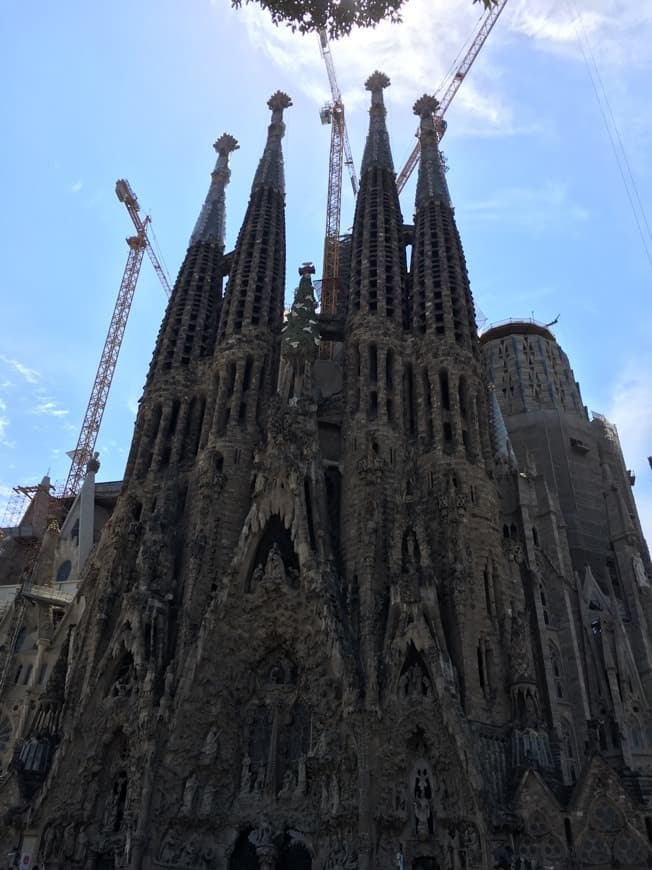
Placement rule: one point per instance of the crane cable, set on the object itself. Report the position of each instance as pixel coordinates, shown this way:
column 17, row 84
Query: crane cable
column 613, row 132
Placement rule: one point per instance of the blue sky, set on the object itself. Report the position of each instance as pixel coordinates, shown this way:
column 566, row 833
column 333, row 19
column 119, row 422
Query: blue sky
column 94, row 92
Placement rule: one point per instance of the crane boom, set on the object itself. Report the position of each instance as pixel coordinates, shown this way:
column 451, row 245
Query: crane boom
column 126, row 195
column 486, row 26
column 138, row 244
column 336, row 94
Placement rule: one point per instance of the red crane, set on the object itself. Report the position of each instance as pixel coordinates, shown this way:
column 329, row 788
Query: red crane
column 454, row 84
column 138, row 244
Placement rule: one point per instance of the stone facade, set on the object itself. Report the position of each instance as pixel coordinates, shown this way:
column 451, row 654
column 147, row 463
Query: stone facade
column 348, row 612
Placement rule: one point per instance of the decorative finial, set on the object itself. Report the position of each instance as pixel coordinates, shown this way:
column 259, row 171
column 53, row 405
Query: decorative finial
column 307, row 268
column 226, row 144
column 426, row 106
column 377, row 81
column 279, row 101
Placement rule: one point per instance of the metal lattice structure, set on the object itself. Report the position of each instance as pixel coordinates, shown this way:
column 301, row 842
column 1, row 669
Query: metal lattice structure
column 340, row 155
column 138, row 244
column 486, row 26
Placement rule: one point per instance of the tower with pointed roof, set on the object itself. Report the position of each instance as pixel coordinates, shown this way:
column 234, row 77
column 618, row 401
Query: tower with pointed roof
column 341, row 617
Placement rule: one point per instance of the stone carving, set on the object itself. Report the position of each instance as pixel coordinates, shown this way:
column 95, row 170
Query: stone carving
column 472, row 845
column 274, row 571
column 342, row 857
column 289, row 784
column 401, row 801
column 422, row 802
column 206, row 802
column 263, row 839
column 414, row 683
column 169, row 847
column 259, row 784
column 175, row 853
column 189, row 792
column 274, row 566
column 301, row 777
column 209, row 749
column 639, row 572
column 245, row 775
column 423, row 813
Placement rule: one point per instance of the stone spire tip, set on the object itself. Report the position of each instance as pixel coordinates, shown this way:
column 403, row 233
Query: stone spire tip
column 279, row 101
column 426, row 106
column 377, row 81
column 226, row 144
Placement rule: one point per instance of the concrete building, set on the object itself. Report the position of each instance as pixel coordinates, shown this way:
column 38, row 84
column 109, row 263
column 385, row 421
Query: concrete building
column 388, row 609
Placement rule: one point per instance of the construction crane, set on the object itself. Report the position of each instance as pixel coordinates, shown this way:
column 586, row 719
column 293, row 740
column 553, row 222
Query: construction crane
column 340, row 155
column 486, row 26
column 138, row 244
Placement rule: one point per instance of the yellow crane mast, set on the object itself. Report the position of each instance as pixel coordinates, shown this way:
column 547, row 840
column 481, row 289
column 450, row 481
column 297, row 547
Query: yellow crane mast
column 340, row 155
column 138, row 244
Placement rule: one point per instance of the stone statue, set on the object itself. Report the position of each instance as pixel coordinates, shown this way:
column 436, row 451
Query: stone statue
column 187, row 856
column 189, row 792
column 169, row 847
column 274, row 566
column 301, row 776
column 69, row 840
column 335, row 794
column 342, row 857
column 206, row 803
column 639, row 572
column 422, row 812
column 245, row 775
column 263, row 834
column 288, row 784
column 259, row 785
column 209, row 749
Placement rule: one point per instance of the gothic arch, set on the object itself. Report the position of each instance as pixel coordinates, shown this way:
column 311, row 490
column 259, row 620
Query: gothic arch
column 244, row 855
column 293, row 855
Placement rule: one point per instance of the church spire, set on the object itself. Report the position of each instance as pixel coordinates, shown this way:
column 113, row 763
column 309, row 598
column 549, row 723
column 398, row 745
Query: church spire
column 431, row 183
column 441, row 302
column 378, row 270
column 190, row 325
column 210, row 226
column 377, row 150
column 254, row 294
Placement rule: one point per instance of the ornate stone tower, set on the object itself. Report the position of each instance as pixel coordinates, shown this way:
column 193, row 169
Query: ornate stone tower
column 334, row 622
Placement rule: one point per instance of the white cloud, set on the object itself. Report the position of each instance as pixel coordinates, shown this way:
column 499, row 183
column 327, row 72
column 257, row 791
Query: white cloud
column 420, row 52
column 415, row 54
column 4, row 424
column 617, row 33
column 77, row 186
column 533, row 209
column 29, row 375
column 49, row 408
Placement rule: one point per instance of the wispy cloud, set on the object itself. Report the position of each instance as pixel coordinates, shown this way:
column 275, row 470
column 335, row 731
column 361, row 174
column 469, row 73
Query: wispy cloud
column 4, row 425
column 77, row 186
column 29, row 375
column 49, row 408
column 533, row 209
column 616, row 33
column 417, row 53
